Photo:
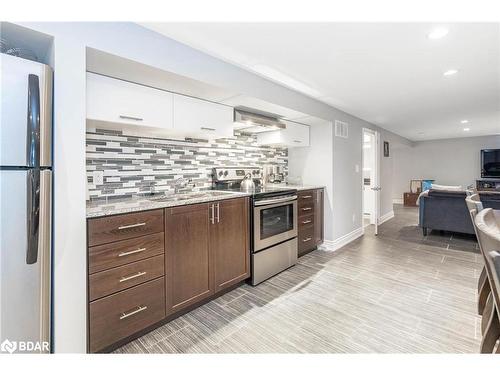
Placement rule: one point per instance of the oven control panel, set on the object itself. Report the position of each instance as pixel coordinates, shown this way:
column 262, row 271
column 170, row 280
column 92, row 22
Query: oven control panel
column 235, row 173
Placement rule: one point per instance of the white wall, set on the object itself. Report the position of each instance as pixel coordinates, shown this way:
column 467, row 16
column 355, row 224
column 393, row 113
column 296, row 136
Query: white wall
column 315, row 165
column 449, row 161
column 136, row 43
column 343, row 155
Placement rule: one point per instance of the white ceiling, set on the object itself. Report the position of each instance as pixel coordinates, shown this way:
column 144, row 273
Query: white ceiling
column 118, row 67
column 389, row 74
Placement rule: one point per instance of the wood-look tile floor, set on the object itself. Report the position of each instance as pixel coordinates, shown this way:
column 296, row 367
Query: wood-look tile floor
column 395, row 293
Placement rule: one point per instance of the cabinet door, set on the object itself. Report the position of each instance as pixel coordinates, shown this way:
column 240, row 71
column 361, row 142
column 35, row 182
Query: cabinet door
column 202, row 118
column 187, row 256
column 229, row 242
column 296, row 135
column 117, row 101
column 318, row 216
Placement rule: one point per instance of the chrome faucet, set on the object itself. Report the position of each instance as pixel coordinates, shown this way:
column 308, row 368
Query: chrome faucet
column 152, row 187
column 182, row 183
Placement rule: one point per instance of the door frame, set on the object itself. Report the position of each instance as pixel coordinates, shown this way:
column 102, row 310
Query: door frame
column 376, row 182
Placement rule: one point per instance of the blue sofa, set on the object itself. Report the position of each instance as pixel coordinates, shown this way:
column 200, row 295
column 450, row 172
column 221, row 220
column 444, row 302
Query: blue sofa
column 446, row 210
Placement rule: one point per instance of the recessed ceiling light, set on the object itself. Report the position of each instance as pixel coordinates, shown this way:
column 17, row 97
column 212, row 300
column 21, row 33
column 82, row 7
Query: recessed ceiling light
column 438, row 33
column 450, row 72
column 464, row 121
column 466, row 129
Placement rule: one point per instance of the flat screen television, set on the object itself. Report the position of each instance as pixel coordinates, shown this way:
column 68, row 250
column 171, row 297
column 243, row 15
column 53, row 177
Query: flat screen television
column 490, row 163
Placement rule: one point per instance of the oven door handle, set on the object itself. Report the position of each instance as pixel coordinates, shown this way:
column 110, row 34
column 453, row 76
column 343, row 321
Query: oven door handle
column 277, row 200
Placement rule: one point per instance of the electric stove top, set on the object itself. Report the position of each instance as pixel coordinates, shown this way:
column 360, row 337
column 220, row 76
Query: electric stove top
column 229, row 178
column 259, row 192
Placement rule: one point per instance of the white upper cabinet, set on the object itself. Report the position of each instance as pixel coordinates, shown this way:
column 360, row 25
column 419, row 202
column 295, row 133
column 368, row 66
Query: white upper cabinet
column 295, row 135
column 202, row 118
column 117, row 101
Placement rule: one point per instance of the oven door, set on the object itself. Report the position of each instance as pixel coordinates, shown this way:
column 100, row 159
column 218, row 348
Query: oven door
column 275, row 221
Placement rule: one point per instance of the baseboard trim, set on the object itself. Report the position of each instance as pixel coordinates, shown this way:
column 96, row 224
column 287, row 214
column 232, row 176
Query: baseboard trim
column 384, row 218
column 345, row 239
column 328, row 244
column 397, row 201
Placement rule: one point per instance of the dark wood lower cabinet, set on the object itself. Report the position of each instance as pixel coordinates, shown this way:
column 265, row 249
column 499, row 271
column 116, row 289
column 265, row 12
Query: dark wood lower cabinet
column 187, row 256
column 310, row 220
column 122, row 314
column 319, row 211
column 229, row 242
column 138, row 279
column 116, row 279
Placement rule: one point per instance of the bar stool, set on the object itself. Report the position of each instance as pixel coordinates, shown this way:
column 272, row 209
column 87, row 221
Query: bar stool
column 474, row 206
column 488, row 229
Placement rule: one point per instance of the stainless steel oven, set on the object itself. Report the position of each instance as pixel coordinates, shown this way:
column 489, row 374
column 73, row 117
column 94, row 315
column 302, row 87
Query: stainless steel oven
column 275, row 221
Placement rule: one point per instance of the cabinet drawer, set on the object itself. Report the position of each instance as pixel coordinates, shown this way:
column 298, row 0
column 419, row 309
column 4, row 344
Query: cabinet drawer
column 306, row 196
column 306, row 221
column 306, row 240
column 116, row 279
column 122, row 314
column 305, row 208
column 116, row 254
column 121, row 227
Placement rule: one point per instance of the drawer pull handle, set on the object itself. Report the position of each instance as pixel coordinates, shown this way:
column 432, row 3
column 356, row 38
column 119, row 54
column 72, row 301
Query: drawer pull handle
column 306, row 208
column 137, row 310
column 306, row 196
column 131, row 118
column 205, row 128
column 132, row 252
column 131, row 226
column 307, row 239
column 307, row 221
column 127, row 278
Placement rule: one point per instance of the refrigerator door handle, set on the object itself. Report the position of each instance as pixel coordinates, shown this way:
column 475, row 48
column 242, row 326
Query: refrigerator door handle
column 33, row 214
column 33, row 122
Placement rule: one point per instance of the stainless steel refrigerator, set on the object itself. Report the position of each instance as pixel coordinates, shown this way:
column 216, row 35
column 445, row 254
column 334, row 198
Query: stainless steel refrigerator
column 25, row 205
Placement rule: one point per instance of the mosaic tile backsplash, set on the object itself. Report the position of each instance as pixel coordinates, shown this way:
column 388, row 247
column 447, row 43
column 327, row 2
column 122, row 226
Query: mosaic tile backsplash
column 134, row 165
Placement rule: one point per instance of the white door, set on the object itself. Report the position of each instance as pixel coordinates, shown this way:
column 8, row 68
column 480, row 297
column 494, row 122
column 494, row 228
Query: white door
column 117, row 101
column 296, row 135
column 200, row 117
column 376, row 180
column 370, row 177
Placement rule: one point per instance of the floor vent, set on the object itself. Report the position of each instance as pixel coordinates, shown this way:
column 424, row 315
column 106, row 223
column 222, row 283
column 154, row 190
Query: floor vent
column 341, row 129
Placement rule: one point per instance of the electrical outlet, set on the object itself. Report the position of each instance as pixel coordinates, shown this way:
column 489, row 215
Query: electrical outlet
column 356, row 168
column 98, row 177
column 353, row 218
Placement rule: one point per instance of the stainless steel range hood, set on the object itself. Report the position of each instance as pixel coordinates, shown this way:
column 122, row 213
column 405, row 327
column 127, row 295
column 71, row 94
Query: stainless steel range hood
column 250, row 122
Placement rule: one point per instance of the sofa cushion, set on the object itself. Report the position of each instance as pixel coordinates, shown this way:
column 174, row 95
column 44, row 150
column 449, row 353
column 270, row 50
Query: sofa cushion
column 446, row 187
column 447, row 193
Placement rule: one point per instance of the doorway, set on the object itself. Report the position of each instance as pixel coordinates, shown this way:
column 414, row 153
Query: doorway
column 370, row 179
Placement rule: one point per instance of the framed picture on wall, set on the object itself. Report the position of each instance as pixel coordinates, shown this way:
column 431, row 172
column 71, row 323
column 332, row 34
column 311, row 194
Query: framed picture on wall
column 386, row 149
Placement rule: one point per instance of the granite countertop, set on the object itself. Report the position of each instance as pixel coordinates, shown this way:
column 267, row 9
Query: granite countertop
column 112, row 206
